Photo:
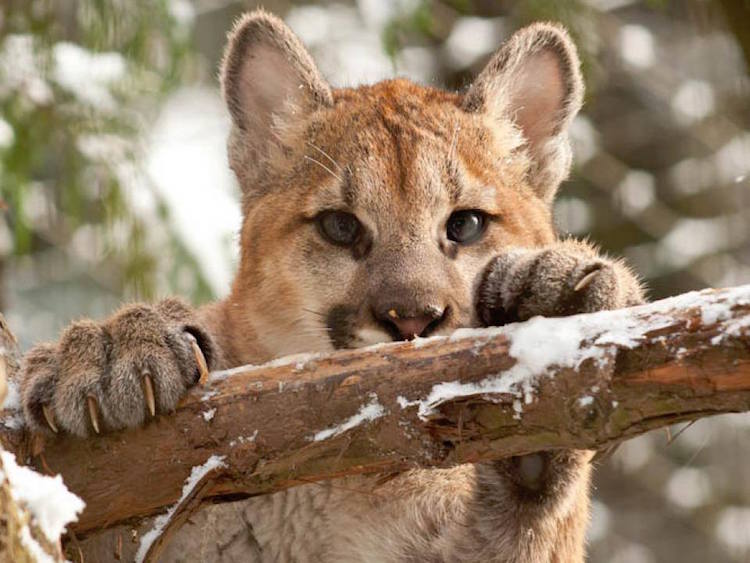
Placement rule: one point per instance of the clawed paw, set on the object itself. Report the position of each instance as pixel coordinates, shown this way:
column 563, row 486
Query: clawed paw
column 565, row 279
column 115, row 374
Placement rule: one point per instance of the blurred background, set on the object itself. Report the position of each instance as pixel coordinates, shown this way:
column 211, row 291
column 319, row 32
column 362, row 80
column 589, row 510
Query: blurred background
column 112, row 140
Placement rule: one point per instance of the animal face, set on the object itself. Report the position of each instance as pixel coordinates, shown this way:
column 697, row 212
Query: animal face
column 371, row 213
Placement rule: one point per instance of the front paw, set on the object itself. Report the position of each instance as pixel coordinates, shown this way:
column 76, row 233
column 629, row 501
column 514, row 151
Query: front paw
column 564, row 279
column 113, row 375
column 542, row 476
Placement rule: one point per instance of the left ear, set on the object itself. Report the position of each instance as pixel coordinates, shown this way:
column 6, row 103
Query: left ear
column 534, row 80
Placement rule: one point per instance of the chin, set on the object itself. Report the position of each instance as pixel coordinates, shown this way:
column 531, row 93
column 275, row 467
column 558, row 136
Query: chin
column 369, row 336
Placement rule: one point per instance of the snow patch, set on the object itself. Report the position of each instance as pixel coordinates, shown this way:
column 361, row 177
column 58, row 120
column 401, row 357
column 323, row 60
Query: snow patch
column 208, row 394
column 585, row 401
column 197, row 474
column 298, row 360
column 14, row 419
column 244, row 439
column 13, row 422
column 517, row 409
column 51, row 505
column 404, row 403
column 366, row 413
column 420, row 341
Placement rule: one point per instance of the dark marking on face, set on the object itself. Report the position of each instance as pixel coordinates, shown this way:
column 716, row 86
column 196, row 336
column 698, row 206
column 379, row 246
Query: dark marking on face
column 341, row 322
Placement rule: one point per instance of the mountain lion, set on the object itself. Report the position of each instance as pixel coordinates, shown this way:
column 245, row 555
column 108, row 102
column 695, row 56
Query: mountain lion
column 377, row 213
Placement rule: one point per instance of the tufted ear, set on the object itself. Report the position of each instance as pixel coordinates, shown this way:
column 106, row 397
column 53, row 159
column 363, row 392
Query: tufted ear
column 534, row 80
column 268, row 78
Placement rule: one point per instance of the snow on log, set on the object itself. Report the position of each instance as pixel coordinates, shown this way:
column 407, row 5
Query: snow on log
column 586, row 381
column 34, row 509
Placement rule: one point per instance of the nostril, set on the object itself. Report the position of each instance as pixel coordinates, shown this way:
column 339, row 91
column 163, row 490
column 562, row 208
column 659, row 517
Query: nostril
column 409, row 327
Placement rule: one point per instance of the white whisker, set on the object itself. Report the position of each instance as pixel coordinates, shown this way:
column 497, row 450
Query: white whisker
column 325, row 154
column 324, row 167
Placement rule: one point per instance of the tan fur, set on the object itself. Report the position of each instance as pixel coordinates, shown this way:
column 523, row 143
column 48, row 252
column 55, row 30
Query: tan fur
column 401, row 158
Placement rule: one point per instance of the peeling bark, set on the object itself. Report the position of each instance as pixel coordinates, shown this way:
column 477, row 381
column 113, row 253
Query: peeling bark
column 381, row 410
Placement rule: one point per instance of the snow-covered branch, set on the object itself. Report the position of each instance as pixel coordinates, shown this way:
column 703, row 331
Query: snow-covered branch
column 578, row 382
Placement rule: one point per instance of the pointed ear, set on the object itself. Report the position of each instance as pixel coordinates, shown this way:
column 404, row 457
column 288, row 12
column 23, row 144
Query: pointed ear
column 534, row 80
column 268, row 78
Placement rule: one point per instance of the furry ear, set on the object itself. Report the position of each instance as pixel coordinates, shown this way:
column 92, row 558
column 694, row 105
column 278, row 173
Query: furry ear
column 267, row 78
column 534, row 80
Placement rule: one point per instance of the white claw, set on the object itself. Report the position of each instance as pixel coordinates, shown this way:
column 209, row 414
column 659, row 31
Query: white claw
column 148, row 393
column 200, row 359
column 585, row 280
column 49, row 417
column 93, row 413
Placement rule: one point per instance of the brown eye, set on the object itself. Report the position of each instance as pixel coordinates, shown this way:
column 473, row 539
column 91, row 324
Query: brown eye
column 339, row 227
column 466, row 226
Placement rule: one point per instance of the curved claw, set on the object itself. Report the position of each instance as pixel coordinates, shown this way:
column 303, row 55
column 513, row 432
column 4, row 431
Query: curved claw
column 585, row 281
column 200, row 359
column 49, row 417
column 148, row 393
column 93, row 412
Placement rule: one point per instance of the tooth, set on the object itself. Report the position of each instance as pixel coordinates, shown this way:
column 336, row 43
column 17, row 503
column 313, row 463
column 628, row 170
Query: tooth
column 93, row 413
column 148, row 392
column 585, row 280
column 49, row 417
column 201, row 361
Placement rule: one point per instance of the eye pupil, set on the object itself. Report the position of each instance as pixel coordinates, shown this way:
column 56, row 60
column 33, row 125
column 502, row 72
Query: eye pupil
column 466, row 226
column 339, row 227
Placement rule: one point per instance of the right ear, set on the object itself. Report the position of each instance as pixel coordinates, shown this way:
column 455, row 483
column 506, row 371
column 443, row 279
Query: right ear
column 268, row 78
column 535, row 81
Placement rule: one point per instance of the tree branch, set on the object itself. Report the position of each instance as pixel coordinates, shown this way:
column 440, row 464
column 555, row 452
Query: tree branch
column 578, row 382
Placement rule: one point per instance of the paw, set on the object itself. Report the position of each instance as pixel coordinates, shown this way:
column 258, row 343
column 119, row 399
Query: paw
column 115, row 374
column 564, row 279
column 542, row 475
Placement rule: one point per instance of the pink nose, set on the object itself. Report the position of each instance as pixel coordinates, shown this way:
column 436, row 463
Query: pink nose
column 411, row 327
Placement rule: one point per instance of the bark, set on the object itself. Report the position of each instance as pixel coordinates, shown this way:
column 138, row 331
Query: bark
column 580, row 382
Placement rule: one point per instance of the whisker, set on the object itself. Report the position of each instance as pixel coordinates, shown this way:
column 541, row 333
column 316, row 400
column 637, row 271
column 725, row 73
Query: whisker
column 314, row 330
column 325, row 154
column 324, row 167
column 314, row 312
column 299, row 326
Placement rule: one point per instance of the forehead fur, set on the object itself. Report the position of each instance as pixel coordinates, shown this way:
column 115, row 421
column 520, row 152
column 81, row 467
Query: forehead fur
column 399, row 135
